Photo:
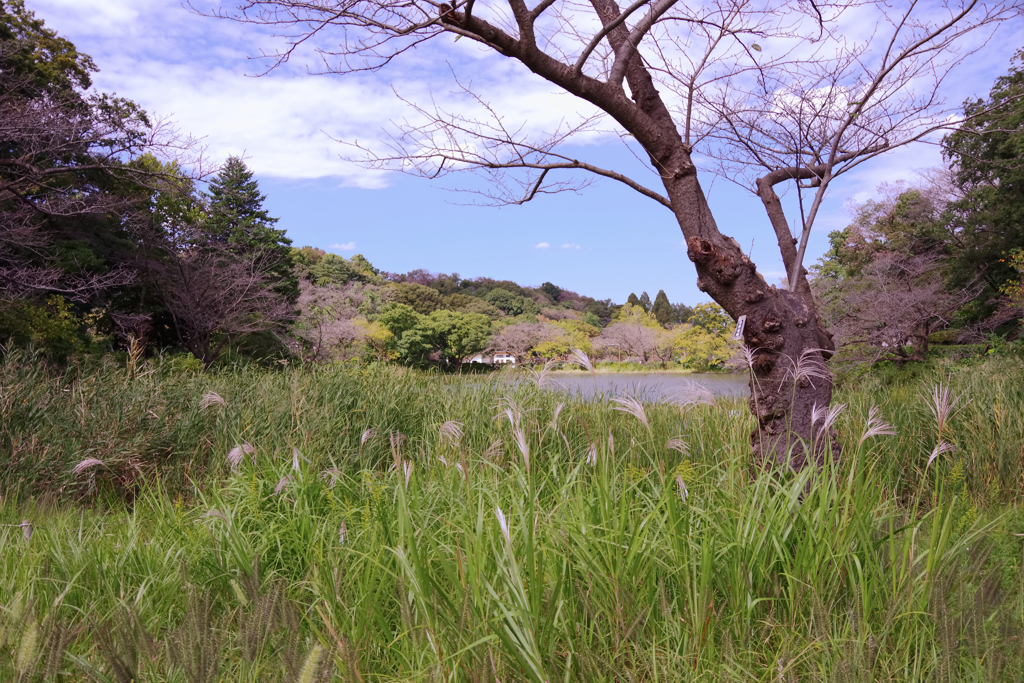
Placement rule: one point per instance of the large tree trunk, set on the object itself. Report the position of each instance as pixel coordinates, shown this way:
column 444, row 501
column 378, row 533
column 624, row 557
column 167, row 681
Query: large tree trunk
column 783, row 332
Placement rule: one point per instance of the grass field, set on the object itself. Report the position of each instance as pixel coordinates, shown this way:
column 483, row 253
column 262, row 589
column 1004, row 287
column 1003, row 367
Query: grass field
column 384, row 525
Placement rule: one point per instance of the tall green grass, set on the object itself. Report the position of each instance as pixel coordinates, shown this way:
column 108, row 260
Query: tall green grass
column 392, row 526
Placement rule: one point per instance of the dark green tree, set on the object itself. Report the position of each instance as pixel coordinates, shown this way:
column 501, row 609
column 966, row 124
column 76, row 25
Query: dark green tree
column 424, row 300
column 987, row 155
column 38, row 57
column 235, row 216
column 645, row 301
column 662, row 309
column 633, row 300
column 550, row 291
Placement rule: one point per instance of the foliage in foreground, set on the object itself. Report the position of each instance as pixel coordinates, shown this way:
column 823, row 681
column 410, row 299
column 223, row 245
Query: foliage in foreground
column 564, row 540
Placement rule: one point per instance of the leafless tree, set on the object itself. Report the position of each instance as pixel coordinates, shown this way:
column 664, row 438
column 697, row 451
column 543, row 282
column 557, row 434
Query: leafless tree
column 216, row 296
column 66, row 161
column 632, row 339
column 895, row 303
column 521, row 338
column 773, row 92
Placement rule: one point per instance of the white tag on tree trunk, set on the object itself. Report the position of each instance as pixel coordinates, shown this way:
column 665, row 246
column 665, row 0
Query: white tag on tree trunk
column 740, row 323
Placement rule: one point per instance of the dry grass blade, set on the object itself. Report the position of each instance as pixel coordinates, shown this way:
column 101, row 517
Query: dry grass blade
column 450, row 432
column 633, row 407
column 86, row 464
column 875, row 426
column 342, row 533
column 211, row 398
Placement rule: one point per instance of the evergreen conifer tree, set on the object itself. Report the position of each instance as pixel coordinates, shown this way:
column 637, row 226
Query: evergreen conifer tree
column 645, row 301
column 236, row 216
column 633, row 300
column 662, row 309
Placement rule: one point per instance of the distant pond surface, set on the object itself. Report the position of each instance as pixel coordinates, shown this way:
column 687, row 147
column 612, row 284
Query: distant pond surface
column 649, row 386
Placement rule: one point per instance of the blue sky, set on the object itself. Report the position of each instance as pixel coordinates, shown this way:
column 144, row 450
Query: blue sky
column 606, row 241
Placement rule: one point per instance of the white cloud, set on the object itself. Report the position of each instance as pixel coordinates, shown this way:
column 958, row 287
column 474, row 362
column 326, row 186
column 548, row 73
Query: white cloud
column 571, row 245
column 542, row 245
column 346, row 246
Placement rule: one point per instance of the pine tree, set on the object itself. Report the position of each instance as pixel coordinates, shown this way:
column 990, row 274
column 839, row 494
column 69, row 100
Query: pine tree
column 662, row 309
column 632, row 300
column 236, row 216
column 645, row 301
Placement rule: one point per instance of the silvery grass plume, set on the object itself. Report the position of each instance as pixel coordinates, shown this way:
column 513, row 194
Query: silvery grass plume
column 633, row 407
column 86, row 464
column 367, row 435
column 875, row 426
column 397, row 440
column 508, row 407
column 810, row 366
column 282, row 485
column 342, row 533
column 514, row 412
column 541, row 377
column 676, row 443
column 941, row 448
column 611, row 443
column 684, row 493
column 296, row 457
column 238, row 453
column 693, row 393
column 331, row 476
column 26, row 528
column 493, row 451
column 502, row 523
column 580, row 358
column 944, row 406
column 407, row 466
column 450, row 432
column 211, row 398
column 554, row 418
column 523, row 444
column 826, row 415
column 592, row 455
column 215, row 514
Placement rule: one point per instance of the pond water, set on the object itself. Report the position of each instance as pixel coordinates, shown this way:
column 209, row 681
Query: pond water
column 650, row 386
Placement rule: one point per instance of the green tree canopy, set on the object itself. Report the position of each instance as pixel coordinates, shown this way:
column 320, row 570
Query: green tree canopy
column 987, row 154
column 39, row 56
column 511, row 304
column 662, row 309
column 423, row 300
column 235, row 215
